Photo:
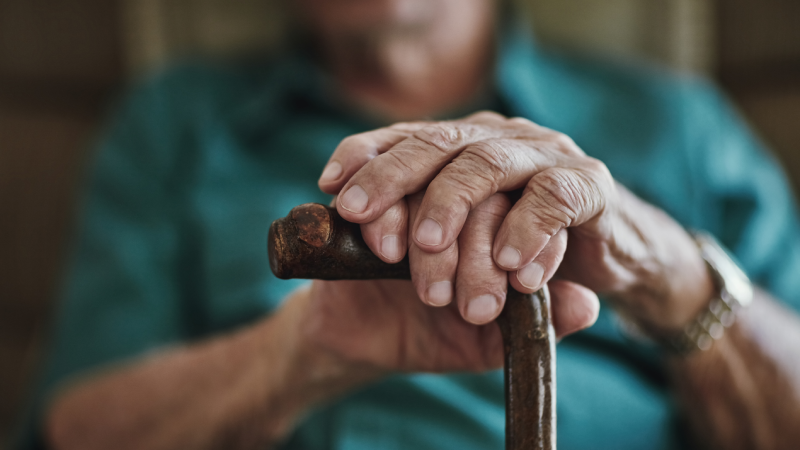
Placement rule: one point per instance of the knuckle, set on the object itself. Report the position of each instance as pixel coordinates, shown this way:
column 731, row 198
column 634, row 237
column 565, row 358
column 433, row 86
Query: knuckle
column 486, row 116
column 523, row 122
column 598, row 169
column 485, row 153
column 535, row 216
column 564, row 140
column 388, row 172
column 444, row 136
column 486, row 158
column 565, row 144
column 355, row 142
column 555, row 195
column 394, row 167
column 457, row 191
column 467, row 180
column 404, row 126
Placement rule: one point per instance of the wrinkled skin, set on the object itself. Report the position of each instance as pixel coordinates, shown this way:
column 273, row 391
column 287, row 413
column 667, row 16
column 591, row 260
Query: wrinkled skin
column 618, row 245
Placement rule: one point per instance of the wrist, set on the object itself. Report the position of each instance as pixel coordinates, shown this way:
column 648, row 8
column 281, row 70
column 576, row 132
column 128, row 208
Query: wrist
column 691, row 289
column 730, row 292
column 307, row 374
column 733, row 292
column 672, row 284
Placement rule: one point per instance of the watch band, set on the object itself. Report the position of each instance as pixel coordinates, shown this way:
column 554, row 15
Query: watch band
column 734, row 292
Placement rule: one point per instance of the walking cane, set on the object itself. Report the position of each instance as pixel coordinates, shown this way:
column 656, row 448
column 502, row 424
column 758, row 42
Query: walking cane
column 314, row 242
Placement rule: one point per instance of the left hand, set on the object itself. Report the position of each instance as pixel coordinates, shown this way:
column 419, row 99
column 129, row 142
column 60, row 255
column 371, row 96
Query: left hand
column 619, row 246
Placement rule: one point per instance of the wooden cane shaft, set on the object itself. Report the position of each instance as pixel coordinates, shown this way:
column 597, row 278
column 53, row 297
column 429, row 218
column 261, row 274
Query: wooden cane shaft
column 314, row 242
column 530, row 370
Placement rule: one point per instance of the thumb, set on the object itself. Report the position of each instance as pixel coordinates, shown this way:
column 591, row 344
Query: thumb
column 574, row 307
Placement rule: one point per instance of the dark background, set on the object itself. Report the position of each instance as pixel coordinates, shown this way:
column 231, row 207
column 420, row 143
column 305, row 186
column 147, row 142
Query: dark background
column 62, row 61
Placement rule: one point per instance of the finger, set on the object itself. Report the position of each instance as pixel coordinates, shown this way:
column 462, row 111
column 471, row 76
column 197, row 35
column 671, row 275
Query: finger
column 554, row 199
column 482, row 169
column 433, row 274
column 481, row 286
column 533, row 276
column 409, row 167
column 387, row 235
column 574, row 307
column 357, row 150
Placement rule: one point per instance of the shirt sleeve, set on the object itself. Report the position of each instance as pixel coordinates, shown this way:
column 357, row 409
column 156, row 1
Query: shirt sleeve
column 120, row 296
column 748, row 203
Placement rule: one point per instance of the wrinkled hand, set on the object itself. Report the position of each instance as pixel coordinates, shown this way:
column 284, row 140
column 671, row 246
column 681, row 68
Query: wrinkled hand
column 618, row 245
column 384, row 325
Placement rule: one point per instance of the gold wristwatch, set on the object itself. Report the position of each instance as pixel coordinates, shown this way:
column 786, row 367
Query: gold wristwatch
column 734, row 291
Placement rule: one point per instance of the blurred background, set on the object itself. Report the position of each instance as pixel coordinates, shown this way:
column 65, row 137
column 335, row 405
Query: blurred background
column 63, row 61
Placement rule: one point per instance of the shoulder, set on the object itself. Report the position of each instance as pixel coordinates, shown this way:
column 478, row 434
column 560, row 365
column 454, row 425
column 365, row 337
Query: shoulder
column 637, row 100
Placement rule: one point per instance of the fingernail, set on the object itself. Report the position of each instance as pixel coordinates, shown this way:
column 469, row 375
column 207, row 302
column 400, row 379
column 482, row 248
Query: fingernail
column 390, row 248
column 355, row 199
column 332, row 171
column 509, row 257
column 440, row 293
column 531, row 275
column 429, row 232
column 481, row 309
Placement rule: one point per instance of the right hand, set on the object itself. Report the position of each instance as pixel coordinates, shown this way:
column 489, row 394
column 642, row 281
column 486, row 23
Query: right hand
column 384, row 325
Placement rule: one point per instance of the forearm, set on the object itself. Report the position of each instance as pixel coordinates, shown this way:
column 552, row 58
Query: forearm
column 242, row 390
column 744, row 393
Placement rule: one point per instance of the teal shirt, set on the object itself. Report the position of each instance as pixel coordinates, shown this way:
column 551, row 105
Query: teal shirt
column 199, row 160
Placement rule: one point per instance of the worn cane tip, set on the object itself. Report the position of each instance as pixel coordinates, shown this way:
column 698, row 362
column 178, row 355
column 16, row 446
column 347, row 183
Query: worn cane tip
column 307, row 226
column 314, row 224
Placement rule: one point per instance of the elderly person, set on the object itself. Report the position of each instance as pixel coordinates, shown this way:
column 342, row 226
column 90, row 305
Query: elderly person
column 584, row 176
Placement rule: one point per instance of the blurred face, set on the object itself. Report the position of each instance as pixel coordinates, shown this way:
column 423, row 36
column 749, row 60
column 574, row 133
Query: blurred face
column 413, row 47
